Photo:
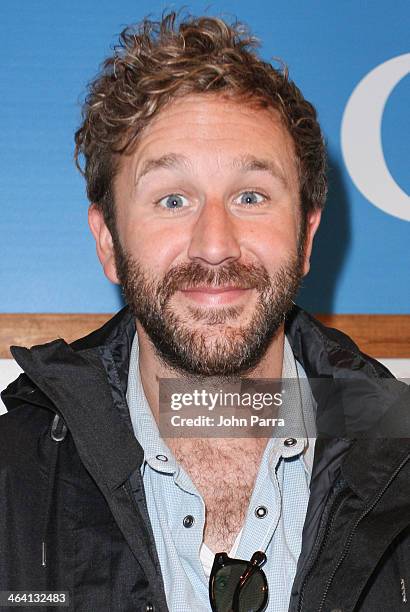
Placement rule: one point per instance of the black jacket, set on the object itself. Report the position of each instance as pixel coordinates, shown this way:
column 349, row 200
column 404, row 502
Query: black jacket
column 70, row 477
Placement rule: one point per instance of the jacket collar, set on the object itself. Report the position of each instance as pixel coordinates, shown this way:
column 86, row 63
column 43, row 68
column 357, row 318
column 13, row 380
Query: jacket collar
column 83, row 398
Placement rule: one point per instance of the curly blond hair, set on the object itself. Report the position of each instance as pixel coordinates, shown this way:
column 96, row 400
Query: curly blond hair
column 158, row 61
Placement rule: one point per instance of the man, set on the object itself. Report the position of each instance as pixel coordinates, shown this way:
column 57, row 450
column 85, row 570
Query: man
column 205, row 171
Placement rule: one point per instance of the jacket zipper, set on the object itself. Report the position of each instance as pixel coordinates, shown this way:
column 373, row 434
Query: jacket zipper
column 128, row 489
column 350, row 538
column 334, row 505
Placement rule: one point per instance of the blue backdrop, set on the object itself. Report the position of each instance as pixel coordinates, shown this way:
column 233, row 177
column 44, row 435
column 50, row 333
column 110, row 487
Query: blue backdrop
column 50, row 50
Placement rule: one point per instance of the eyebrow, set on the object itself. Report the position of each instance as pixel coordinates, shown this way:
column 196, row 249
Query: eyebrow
column 170, row 160
column 250, row 163
column 244, row 163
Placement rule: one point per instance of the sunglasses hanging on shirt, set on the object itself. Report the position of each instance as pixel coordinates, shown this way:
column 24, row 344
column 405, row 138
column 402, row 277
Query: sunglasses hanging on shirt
column 236, row 585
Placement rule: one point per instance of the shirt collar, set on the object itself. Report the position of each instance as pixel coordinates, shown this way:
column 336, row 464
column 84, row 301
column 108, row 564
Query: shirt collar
column 298, row 411
column 156, row 452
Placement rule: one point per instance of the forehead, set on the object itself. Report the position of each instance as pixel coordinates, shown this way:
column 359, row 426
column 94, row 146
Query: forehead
column 213, row 129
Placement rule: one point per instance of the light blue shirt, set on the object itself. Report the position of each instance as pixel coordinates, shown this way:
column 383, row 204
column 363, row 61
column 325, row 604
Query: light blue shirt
column 281, row 486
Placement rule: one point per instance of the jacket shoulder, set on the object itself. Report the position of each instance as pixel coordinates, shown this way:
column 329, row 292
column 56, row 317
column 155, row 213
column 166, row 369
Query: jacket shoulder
column 329, row 344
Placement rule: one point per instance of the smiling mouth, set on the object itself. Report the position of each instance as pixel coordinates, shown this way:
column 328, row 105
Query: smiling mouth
column 212, row 296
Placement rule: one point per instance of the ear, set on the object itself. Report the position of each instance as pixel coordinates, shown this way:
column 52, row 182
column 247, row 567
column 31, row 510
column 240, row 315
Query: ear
column 103, row 241
column 313, row 220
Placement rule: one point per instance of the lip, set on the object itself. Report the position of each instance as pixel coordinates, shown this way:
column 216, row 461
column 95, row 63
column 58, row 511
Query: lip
column 213, row 296
column 206, row 289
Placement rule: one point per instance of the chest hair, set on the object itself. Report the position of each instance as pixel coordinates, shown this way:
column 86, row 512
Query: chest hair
column 224, row 472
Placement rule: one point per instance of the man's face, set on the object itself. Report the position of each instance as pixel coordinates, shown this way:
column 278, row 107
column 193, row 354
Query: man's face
column 208, row 247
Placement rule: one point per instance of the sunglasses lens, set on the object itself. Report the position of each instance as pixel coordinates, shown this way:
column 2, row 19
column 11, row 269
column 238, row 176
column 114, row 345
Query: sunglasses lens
column 252, row 593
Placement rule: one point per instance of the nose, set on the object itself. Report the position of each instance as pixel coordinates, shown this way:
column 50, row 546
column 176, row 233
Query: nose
column 214, row 237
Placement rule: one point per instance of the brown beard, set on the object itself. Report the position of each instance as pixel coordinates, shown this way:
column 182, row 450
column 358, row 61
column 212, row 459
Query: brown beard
column 179, row 345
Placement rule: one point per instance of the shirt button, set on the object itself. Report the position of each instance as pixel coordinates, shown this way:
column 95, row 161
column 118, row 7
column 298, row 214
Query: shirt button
column 188, row 521
column 149, row 608
column 162, row 458
column 261, row 511
column 290, row 442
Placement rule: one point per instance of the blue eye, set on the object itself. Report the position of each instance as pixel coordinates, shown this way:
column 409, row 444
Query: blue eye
column 250, row 197
column 172, row 201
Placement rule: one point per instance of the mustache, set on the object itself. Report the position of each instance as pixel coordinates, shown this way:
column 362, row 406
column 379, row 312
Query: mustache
column 193, row 274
